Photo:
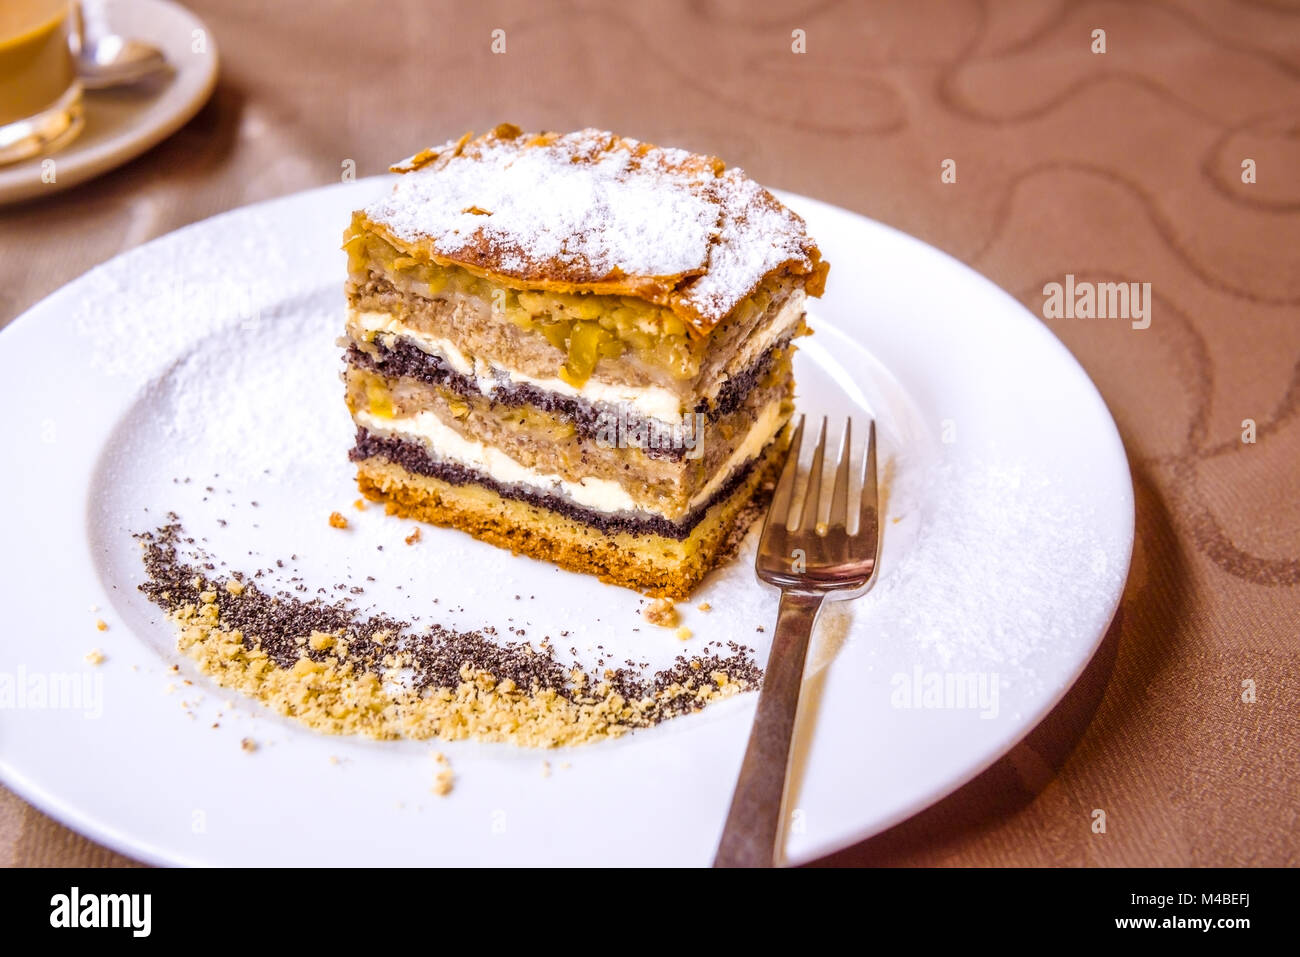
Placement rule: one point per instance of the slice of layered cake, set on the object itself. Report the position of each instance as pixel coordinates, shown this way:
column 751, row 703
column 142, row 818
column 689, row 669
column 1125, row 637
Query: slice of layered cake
column 577, row 347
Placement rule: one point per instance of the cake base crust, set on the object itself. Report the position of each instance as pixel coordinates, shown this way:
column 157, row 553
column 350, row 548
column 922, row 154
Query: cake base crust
column 656, row 565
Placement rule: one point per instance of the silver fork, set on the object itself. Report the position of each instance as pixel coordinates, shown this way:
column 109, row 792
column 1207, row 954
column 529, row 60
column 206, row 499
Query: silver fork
column 810, row 564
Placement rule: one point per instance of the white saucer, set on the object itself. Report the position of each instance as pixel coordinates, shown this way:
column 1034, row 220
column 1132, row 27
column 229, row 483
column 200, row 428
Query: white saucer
column 1008, row 531
column 121, row 124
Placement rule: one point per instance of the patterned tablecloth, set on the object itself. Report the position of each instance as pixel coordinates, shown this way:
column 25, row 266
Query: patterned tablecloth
column 1128, row 164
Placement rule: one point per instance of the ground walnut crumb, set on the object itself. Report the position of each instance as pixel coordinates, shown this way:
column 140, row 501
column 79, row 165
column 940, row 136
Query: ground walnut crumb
column 95, row 657
column 337, row 520
column 663, row 613
column 321, row 641
column 705, row 606
column 443, row 782
column 684, row 634
column 248, row 744
column 101, row 625
column 413, row 537
column 359, row 505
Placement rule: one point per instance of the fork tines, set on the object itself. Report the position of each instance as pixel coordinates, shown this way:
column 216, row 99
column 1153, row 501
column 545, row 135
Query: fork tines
column 793, row 524
column 801, row 513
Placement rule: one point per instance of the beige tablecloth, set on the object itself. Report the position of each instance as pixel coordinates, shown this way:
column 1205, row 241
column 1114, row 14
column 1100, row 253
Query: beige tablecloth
column 1123, row 165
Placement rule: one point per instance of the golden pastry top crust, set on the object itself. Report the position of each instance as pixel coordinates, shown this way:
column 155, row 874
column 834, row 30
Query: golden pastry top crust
column 592, row 212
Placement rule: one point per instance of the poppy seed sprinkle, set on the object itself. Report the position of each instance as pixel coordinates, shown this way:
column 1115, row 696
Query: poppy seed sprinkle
column 326, row 664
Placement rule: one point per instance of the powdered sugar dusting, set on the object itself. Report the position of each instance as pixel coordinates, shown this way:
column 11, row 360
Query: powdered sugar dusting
column 1005, row 590
column 582, row 208
column 590, row 207
column 758, row 235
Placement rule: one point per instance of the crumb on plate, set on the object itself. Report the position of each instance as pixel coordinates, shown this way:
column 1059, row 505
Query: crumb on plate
column 662, row 612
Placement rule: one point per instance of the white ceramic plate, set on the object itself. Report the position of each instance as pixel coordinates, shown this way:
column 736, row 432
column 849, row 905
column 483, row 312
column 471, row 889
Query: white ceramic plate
column 1009, row 526
column 123, row 123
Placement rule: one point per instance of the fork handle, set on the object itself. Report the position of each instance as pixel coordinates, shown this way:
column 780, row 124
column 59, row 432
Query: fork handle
column 755, row 824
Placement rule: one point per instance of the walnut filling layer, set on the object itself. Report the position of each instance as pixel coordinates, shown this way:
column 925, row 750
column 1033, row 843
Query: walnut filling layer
column 613, row 494
column 551, row 442
column 478, row 322
column 395, row 357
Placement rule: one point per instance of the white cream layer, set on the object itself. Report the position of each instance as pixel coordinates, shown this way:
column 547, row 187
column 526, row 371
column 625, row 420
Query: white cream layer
column 602, row 495
column 652, row 401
